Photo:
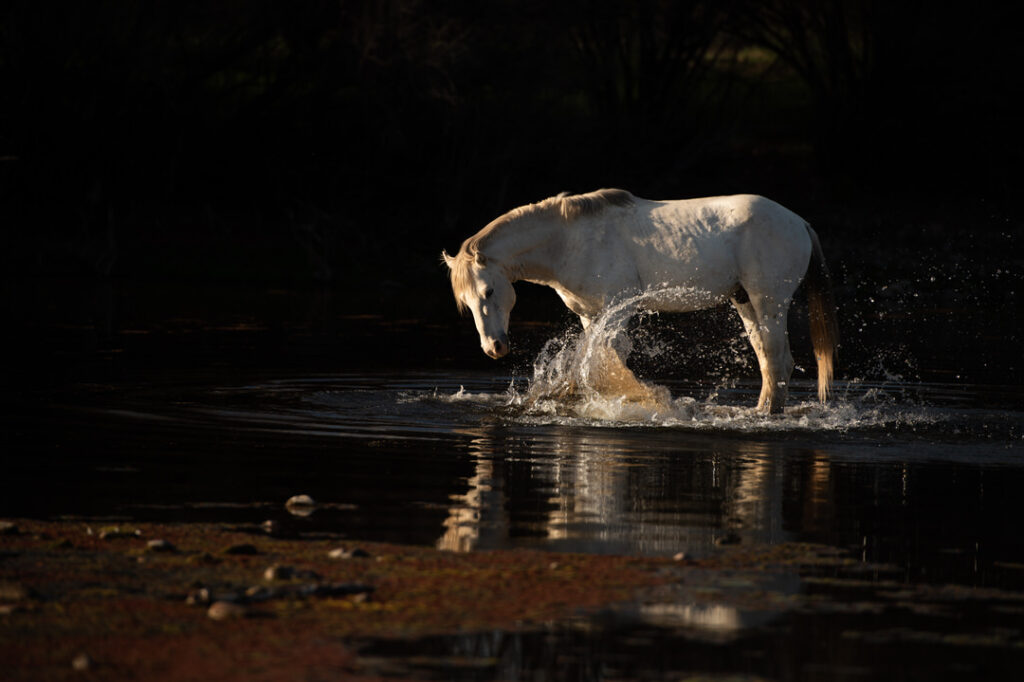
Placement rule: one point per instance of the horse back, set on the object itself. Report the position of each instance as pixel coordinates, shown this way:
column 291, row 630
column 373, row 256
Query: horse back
column 715, row 242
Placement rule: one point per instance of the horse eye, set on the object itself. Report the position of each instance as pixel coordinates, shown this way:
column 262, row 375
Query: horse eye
column 487, row 294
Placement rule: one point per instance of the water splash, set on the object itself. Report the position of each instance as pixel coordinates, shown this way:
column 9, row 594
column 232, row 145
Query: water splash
column 883, row 398
column 572, row 373
column 585, row 367
column 690, row 413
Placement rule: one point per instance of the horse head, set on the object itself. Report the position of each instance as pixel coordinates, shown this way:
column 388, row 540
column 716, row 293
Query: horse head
column 482, row 287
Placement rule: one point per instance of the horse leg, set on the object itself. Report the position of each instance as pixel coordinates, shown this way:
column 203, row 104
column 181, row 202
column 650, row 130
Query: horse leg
column 765, row 321
column 749, row 317
column 609, row 375
column 772, row 315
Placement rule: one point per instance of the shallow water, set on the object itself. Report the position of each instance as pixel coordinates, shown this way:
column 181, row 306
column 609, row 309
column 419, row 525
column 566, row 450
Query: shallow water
column 917, row 480
column 924, row 476
column 919, row 483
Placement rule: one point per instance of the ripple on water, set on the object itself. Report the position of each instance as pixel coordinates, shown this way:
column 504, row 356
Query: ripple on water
column 892, row 413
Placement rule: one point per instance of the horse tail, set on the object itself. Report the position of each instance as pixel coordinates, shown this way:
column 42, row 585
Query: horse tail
column 823, row 316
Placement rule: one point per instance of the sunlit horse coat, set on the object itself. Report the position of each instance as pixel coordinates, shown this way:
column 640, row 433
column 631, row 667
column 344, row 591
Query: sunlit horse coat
column 690, row 254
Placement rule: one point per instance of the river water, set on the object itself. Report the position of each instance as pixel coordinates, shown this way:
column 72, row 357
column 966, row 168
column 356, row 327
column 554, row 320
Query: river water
column 920, row 476
column 463, row 463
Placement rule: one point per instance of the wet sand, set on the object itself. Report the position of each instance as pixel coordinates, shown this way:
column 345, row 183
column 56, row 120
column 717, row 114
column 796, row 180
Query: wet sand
column 126, row 607
column 84, row 600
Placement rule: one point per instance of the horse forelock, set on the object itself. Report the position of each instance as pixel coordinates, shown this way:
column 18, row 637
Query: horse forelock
column 460, row 271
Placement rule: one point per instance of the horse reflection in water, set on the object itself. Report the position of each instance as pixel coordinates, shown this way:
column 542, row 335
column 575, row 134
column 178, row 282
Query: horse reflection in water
column 599, row 248
column 480, row 509
column 588, row 491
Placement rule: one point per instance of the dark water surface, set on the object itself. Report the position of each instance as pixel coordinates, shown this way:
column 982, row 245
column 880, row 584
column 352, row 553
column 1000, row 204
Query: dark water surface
column 919, row 481
column 922, row 476
column 922, row 480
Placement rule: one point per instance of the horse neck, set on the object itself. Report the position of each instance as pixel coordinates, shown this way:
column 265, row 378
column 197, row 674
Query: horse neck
column 528, row 248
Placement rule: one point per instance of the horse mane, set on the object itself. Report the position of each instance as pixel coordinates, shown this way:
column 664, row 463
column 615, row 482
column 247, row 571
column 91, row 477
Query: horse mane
column 565, row 206
column 573, row 206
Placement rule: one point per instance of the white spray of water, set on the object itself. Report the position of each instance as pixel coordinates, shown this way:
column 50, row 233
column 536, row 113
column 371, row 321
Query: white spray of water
column 581, row 367
column 568, row 374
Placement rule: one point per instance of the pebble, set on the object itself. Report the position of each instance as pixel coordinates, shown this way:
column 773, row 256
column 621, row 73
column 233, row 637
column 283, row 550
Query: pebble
column 681, row 556
column 242, row 548
column 344, row 553
column 198, row 596
column 9, row 528
column 336, row 589
column 259, row 593
column 225, row 610
column 160, row 545
column 118, row 532
column 82, row 661
column 277, row 529
column 14, row 592
column 300, row 505
column 278, row 572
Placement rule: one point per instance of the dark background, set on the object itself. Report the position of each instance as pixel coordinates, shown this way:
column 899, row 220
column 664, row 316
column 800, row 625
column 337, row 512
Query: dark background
column 264, row 183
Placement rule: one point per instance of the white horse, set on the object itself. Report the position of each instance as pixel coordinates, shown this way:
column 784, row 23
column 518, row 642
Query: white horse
column 595, row 248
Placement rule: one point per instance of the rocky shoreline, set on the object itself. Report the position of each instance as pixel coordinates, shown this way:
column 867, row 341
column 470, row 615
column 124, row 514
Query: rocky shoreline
column 162, row 601
column 81, row 599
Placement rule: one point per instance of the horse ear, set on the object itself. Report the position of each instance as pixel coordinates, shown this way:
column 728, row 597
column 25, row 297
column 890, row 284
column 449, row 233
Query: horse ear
column 447, row 260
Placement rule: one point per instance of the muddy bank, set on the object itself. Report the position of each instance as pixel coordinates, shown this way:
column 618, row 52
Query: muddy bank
column 115, row 600
column 84, row 600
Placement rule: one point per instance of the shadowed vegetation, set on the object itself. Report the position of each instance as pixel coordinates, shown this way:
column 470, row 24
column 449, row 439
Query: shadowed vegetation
column 138, row 136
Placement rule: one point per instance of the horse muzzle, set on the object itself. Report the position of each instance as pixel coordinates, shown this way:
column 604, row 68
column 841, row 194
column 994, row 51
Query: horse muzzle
column 496, row 348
